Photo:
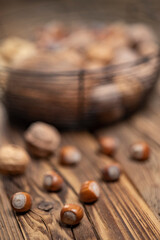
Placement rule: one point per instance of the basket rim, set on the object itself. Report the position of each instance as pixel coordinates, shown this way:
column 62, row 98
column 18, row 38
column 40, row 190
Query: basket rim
column 108, row 68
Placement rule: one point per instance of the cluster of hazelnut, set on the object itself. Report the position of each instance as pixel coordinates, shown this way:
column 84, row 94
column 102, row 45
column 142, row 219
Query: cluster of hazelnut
column 79, row 46
column 42, row 140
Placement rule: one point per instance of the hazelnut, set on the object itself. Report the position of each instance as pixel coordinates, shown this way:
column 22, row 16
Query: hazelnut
column 71, row 214
column 89, row 192
column 111, row 172
column 108, row 145
column 13, row 159
column 21, row 202
column 52, row 181
column 140, row 151
column 42, row 139
column 69, row 155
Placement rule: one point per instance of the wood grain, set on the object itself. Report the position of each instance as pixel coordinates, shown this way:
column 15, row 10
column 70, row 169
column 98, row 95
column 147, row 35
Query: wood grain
column 114, row 194
column 126, row 209
column 120, row 211
column 40, row 223
column 143, row 126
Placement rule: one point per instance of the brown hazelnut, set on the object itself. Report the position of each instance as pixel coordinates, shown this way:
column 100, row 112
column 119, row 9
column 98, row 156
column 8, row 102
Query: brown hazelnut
column 42, row 139
column 21, row 202
column 13, row 159
column 71, row 214
column 69, row 155
column 89, row 192
column 111, row 172
column 52, row 181
column 140, row 151
column 108, row 145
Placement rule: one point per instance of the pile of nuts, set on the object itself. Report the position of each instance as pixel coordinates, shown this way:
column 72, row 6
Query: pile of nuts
column 42, row 140
column 80, row 46
column 107, row 96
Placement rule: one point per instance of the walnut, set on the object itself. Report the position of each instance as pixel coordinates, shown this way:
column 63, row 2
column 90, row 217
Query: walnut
column 13, row 159
column 70, row 57
column 148, row 48
column 99, row 52
column 115, row 35
column 79, row 38
column 51, row 34
column 16, row 49
column 42, row 139
column 140, row 33
column 124, row 55
column 64, row 59
column 131, row 89
column 106, row 101
column 3, row 62
column 93, row 65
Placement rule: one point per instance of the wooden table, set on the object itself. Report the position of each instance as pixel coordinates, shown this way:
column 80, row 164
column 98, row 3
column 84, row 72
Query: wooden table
column 127, row 209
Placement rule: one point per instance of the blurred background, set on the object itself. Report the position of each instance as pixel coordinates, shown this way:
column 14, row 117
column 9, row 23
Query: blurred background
column 77, row 98
column 21, row 17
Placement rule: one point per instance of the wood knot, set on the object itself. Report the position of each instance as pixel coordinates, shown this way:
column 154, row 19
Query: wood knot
column 45, row 206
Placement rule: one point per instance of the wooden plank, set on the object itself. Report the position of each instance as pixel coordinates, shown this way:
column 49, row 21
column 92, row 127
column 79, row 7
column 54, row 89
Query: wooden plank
column 39, row 223
column 9, row 228
column 142, row 126
column 144, row 175
column 148, row 125
column 120, row 211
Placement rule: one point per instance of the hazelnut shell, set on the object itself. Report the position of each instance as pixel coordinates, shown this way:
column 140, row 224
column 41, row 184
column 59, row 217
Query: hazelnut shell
column 140, row 151
column 52, row 181
column 111, row 172
column 21, row 202
column 69, row 155
column 108, row 145
column 89, row 192
column 71, row 214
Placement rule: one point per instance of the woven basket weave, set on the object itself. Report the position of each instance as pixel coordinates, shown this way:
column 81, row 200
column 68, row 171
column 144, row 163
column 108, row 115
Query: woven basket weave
column 83, row 97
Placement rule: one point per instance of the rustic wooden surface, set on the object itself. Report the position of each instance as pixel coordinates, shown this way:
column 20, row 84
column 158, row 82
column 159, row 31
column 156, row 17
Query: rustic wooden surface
column 128, row 209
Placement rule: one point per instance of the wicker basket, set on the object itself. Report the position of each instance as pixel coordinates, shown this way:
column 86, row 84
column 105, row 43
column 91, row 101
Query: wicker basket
column 83, row 97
